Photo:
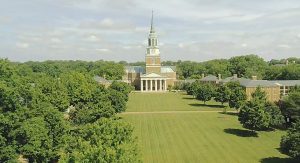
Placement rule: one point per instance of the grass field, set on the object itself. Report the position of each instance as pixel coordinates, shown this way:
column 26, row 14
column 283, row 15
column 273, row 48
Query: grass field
column 196, row 136
column 147, row 102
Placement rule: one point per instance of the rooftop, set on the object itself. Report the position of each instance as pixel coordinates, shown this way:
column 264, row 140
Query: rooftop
column 140, row 69
column 286, row 82
column 100, row 79
column 209, row 78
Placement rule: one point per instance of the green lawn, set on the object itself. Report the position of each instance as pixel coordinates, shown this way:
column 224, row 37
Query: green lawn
column 147, row 102
column 196, row 136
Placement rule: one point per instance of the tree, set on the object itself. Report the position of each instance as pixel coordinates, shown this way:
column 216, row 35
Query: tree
column 217, row 66
column 286, row 72
column 204, row 92
column 8, row 151
column 290, row 143
column 191, row 88
column 32, row 137
column 258, row 114
column 118, row 100
column 290, row 105
column 122, row 87
column 290, row 72
column 54, row 90
column 259, row 94
column 253, row 116
column 273, row 72
column 33, row 100
column 246, row 66
column 106, row 140
column 222, row 94
column 237, row 95
column 277, row 119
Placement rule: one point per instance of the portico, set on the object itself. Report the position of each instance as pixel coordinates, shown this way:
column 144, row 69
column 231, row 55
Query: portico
column 156, row 84
column 153, row 82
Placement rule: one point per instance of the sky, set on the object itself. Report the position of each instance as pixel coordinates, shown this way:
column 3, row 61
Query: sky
column 197, row 30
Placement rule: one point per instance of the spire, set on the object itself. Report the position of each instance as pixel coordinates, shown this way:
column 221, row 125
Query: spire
column 152, row 27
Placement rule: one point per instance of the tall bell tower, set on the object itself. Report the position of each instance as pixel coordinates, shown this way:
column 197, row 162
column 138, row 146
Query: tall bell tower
column 153, row 64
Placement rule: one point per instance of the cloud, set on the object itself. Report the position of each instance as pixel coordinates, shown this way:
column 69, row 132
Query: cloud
column 181, row 45
column 22, row 45
column 284, row 46
column 56, row 40
column 108, row 24
column 102, row 50
column 244, row 45
column 92, row 38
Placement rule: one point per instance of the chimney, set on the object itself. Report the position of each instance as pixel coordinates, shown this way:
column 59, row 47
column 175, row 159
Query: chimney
column 219, row 76
column 202, row 75
column 235, row 76
column 254, row 77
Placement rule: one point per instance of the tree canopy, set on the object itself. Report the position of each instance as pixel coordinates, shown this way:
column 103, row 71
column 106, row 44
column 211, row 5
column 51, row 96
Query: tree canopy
column 258, row 114
column 290, row 143
column 55, row 112
column 244, row 66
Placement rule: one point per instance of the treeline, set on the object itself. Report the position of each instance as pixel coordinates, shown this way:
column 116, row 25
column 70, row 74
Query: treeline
column 56, row 112
column 244, row 66
column 108, row 69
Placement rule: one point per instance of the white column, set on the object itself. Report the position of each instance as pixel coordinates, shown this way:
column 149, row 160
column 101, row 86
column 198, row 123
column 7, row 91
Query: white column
column 160, row 84
column 165, row 85
column 142, row 85
column 151, row 85
column 146, row 85
column 155, row 84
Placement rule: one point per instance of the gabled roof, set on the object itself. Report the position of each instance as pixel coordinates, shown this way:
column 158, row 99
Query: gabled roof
column 152, row 75
column 209, row 78
column 166, row 69
column 134, row 69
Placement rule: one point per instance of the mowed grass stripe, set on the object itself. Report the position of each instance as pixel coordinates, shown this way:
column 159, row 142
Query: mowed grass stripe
column 148, row 102
column 197, row 136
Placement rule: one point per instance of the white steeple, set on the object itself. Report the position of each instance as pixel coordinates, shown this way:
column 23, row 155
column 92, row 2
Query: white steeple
column 152, row 48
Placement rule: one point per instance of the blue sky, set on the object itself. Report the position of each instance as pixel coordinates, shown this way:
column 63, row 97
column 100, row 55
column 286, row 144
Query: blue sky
column 197, row 30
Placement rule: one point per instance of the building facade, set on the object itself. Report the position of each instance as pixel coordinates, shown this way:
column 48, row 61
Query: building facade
column 274, row 89
column 154, row 76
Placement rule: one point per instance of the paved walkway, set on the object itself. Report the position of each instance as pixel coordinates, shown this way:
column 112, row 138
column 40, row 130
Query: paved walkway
column 172, row 112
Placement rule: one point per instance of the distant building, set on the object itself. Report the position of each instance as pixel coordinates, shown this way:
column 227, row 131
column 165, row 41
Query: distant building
column 102, row 81
column 211, row 79
column 274, row 89
column 271, row 89
column 152, row 77
column 286, row 85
